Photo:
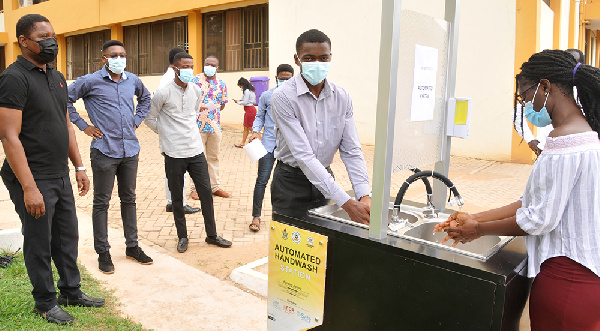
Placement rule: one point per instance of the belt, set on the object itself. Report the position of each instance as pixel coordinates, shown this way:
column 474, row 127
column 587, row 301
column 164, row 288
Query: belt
column 294, row 169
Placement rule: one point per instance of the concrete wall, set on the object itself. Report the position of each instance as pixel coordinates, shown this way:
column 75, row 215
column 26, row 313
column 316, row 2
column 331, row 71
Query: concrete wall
column 564, row 25
column 486, row 73
column 546, row 27
column 485, row 59
column 2, row 28
column 486, row 53
column 354, row 30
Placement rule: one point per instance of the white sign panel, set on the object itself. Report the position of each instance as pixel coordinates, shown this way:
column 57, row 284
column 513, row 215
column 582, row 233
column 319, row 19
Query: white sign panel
column 423, row 93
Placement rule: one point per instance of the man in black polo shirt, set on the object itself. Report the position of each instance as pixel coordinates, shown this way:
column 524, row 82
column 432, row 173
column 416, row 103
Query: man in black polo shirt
column 38, row 138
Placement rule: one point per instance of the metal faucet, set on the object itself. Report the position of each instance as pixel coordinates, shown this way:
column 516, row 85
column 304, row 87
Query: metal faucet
column 429, row 210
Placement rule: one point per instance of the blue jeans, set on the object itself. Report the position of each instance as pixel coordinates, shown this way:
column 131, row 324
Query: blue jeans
column 265, row 165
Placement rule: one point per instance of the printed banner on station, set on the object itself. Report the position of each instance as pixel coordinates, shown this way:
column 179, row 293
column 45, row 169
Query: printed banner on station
column 297, row 263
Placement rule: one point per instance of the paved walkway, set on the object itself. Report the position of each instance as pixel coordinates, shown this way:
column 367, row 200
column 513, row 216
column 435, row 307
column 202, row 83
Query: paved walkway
column 483, row 184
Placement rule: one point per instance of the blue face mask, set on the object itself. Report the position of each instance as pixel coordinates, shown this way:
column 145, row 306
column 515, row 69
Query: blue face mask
column 280, row 81
column 541, row 118
column 210, row 71
column 315, row 72
column 185, row 75
column 117, row 65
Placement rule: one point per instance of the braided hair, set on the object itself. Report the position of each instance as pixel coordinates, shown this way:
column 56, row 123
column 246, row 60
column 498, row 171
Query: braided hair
column 559, row 67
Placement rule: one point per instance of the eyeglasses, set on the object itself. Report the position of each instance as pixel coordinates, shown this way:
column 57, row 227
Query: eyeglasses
column 115, row 55
column 520, row 98
column 283, row 78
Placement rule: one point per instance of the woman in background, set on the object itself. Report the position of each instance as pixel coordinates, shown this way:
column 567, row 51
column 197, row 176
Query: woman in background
column 248, row 101
column 559, row 213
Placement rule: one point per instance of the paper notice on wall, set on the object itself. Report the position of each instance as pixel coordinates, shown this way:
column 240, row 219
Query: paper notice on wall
column 423, row 94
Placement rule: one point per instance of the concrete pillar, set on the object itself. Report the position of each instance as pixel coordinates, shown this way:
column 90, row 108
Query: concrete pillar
column 527, row 42
column 597, row 62
column 116, row 32
column 572, row 25
column 12, row 51
column 556, row 6
column 587, row 45
column 195, row 39
column 61, row 58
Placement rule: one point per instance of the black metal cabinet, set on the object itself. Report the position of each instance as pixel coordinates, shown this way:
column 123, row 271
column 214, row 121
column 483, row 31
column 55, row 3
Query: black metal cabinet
column 399, row 285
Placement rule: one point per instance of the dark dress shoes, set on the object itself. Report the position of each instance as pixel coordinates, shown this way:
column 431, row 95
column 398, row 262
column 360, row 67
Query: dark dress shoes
column 83, row 301
column 182, row 245
column 218, row 241
column 186, row 209
column 190, row 210
column 56, row 315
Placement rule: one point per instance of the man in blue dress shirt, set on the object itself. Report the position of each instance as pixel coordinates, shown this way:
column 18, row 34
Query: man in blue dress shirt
column 265, row 164
column 108, row 97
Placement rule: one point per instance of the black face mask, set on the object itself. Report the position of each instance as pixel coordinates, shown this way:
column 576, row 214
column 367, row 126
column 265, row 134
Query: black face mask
column 48, row 49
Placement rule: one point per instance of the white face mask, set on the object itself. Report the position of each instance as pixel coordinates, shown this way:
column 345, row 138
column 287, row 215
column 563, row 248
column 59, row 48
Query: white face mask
column 210, row 71
column 315, row 72
column 186, row 75
column 117, row 65
column 280, row 81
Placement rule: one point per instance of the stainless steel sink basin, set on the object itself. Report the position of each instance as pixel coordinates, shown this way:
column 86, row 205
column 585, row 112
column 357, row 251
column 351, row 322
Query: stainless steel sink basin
column 481, row 248
column 412, row 218
column 336, row 213
column 420, row 230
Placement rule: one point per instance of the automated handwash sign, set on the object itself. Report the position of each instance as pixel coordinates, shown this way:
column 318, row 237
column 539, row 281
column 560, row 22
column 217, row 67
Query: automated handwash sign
column 297, row 260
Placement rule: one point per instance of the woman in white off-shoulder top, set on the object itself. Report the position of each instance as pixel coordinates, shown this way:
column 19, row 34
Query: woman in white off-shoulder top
column 559, row 212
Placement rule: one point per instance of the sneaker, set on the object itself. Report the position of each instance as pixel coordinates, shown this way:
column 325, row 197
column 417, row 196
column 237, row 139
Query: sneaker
column 218, row 241
column 105, row 263
column 83, row 301
column 136, row 253
column 56, row 315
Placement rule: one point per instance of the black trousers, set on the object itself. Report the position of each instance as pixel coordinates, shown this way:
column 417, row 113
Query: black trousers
column 292, row 194
column 105, row 170
column 197, row 167
column 53, row 236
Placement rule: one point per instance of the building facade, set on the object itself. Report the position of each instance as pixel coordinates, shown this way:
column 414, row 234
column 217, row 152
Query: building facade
column 251, row 38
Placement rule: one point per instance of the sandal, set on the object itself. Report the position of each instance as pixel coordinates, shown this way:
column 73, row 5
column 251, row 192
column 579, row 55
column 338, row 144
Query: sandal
column 255, row 227
column 238, row 146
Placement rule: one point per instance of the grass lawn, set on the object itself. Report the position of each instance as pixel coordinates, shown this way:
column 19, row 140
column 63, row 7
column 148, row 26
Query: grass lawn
column 16, row 304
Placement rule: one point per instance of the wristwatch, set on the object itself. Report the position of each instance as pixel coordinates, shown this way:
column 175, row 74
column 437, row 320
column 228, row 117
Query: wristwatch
column 79, row 169
column 366, row 195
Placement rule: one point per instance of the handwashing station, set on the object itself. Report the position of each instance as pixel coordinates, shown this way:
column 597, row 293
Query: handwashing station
column 329, row 273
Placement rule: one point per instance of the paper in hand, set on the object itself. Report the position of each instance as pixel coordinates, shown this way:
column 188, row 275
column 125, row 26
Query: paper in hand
column 209, row 107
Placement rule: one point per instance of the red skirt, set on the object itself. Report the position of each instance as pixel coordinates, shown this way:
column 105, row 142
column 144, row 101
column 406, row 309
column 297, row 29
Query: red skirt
column 565, row 296
column 249, row 116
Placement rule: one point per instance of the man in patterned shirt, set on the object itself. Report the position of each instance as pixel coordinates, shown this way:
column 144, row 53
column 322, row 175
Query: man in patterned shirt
column 214, row 92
